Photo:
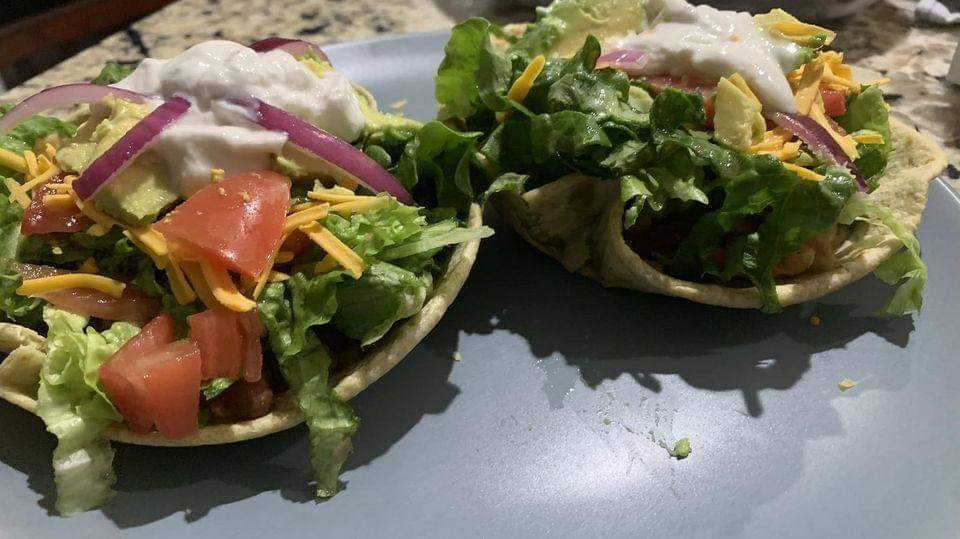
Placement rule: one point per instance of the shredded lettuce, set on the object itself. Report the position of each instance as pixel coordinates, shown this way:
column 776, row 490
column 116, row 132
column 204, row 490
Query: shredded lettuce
column 868, row 111
column 305, row 363
column 215, row 387
column 76, row 410
column 114, row 71
column 905, row 269
column 436, row 167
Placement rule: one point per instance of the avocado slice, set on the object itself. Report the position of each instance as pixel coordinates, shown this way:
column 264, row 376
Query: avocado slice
column 737, row 121
column 138, row 194
column 141, row 191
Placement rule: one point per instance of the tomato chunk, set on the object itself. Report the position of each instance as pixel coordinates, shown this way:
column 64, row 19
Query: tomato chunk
column 217, row 333
column 834, row 102
column 172, row 384
column 126, row 394
column 40, row 218
column 236, row 223
column 153, row 381
column 133, row 306
column 229, row 343
column 252, row 352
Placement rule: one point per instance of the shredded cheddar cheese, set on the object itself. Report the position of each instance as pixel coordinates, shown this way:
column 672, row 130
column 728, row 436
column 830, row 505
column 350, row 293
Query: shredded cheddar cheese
column 334, row 197
column 265, row 275
column 300, row 218
column 277, row 276
column 58, row 202
column 13, row 161
column 350, row 260
column 809, row 86
column 845, row 142
column 521, row 87
column 151, row 242
column 33, row 167
column 199, row 283
column 359, row 205
column 224, row 290
column 302, row 206
column 32, row 287
column 182, row 291
column 17, row 193
column 326, row 265
column 869, row 138
column 804, row 173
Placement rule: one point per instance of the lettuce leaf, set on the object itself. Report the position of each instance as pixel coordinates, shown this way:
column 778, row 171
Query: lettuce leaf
column 905, row 269
column 23, row 137
column 369, row 306
column 76, row 410
column 113, row 72
column 868, row 111
column 436, row 166
column 305, row 363
column 456, row 86
column 787, row 210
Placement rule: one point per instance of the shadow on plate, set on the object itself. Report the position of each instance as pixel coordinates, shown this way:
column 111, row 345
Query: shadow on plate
column 607, row 332
column 155, row 483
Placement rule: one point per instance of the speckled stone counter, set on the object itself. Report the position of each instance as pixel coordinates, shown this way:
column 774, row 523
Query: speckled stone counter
column 883, row 38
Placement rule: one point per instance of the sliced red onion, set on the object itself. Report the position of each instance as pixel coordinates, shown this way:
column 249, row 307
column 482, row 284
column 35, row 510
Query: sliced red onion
column 626, row 60
column 130, row 145
column 819, row 140
column 338, row 153
column 62, row 96
column 295, row 47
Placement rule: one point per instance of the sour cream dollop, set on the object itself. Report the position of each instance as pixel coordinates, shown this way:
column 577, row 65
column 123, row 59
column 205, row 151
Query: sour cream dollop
column 213, row 135
column 701, row 40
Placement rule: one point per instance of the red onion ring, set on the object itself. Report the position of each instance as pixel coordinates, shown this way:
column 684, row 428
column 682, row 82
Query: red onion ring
column 338, row 153
column 295, row 47
column 820, row 141
column 62, row 96
column 130, row 145
column 626, row 60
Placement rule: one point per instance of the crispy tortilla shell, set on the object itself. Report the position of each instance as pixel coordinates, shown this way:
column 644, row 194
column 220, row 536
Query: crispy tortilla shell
column 20, row 370
column 578, row 220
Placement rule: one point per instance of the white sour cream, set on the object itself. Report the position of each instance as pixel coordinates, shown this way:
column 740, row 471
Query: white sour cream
column 710, row 43
column 210, row 135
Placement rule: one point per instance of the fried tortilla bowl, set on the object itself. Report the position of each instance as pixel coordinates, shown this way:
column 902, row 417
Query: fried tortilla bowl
column 578, row 220
column 20, row 370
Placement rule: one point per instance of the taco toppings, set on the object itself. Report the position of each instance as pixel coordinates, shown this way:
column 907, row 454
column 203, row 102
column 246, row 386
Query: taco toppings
column 744, row 152
column 212, row 232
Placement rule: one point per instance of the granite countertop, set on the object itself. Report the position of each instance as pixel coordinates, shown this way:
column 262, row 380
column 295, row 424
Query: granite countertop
column 883, row 38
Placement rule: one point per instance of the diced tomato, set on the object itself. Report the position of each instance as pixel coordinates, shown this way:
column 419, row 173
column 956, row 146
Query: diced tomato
column 154, row 383
column 172, row 384
column 132, row 306
column 834, row 102
column 236, row 223
column 125, row 394
column 229, row 343
column 252, row 352
column 39, row 218
column 217, row 333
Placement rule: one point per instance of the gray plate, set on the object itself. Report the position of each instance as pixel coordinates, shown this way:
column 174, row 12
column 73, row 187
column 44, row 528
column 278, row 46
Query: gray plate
column 552, row 421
